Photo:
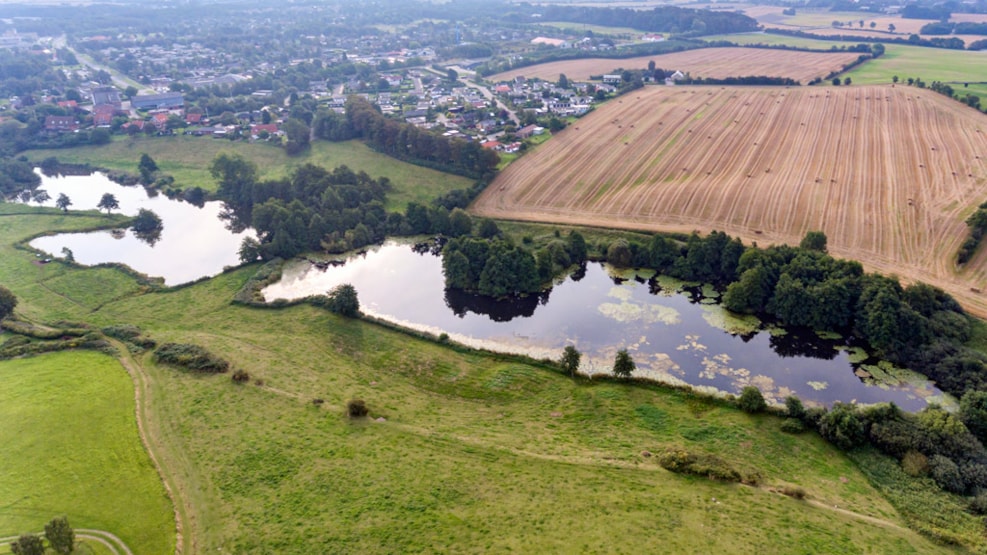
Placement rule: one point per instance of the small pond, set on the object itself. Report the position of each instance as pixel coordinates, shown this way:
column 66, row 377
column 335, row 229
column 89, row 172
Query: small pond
column 674, row 334
column 194, row 243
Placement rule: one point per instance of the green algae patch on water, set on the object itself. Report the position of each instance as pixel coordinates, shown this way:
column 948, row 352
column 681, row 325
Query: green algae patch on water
column 730, row 322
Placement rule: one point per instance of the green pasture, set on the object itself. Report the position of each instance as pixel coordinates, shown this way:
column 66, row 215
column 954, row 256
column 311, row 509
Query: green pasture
column 70, row 447
column 462, row 452
column 187, row 158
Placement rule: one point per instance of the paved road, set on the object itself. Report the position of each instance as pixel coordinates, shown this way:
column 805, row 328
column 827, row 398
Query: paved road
column 119, row 79
column 490, row 96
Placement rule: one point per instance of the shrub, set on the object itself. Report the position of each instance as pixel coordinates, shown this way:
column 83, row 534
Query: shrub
column 794, row 492
column 794, row 407
column 192, row 357
column 915, row 464
column 751, row 401
column 978, row 505
column 357, row 408
column 842, row 426
column 945, row 472
column 792, row 426
column 240, row 376
column 318, row 402
column 685, row 462
column 7, row 302
column 343, row 301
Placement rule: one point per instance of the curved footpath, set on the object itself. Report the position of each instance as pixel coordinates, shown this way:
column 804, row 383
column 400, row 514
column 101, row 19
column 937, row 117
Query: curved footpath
column 108, row 539
column 178, row 496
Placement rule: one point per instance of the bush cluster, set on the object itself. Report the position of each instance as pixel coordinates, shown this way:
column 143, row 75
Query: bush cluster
column 709, row 466
column 192, row 357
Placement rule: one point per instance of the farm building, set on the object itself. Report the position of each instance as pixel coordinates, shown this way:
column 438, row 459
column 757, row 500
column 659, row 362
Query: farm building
column 158, row 101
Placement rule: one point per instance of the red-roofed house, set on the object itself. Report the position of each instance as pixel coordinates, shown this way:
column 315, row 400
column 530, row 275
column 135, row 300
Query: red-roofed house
column 193, row 117
column 60, row 124
column 103, row 115
column 258, row 128
column 160, row 120
column 68, row 104
column 492, row 145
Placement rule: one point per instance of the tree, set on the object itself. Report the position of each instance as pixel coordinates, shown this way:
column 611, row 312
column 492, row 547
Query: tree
column 836, row 81
column 7, row 302
column 27, row 544
column 100, row 136
column 751, row 401
column 249, row 250
column 570, row 360
column 297, row 136
column 794, row 407
column 563, row 81
column 891, row 27
column 460, row 223
column 147, row 166
column 146, row 221
column 108, row 202
column 847, row 81
column 40, row 196
column 343, row 301
column 60, row 536
column 973, row 411
column 894, row 78
column 814, row 241
column 63, row 202
column 452, row 75
column 623, row 364
column 130, row 91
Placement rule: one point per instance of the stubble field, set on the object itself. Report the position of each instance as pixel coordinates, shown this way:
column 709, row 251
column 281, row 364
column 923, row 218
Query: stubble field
column 889, row 174
column 715, row 63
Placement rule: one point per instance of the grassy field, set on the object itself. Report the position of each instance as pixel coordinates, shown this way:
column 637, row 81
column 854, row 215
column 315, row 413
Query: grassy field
column 187, row 158
column 462, row 453
column 70, row 446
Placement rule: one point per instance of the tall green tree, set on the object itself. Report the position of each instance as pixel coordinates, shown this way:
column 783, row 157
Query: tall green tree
column 343, row 301
column 27, row 544
column 7, row 302
column 570, row 360
column 63, row 202
column 623, row 364
column 814, row 241
column 147, row 166
column 235, row 177
column 108, row 202
column 60, row 535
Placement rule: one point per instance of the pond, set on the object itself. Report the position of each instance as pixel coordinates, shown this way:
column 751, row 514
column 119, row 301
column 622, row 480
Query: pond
column 675, row 334
column 193, row 244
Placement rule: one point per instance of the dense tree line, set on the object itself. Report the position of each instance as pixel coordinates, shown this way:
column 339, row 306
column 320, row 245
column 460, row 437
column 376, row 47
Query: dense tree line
column 745, row 80
column 313, row 209
column 556, row 54
column 665, row 19
column 914, row 40
column 493, row 265
column 406, row 142
column 16, row 176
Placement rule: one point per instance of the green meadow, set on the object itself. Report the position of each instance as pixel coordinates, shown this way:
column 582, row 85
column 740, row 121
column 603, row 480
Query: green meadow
column 187, row 159
column 462, row 452
column 70, row 447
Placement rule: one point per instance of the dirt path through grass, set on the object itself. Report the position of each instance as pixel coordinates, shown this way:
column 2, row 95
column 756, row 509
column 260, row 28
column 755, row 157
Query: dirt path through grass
column 178, row 496
column 108, row 539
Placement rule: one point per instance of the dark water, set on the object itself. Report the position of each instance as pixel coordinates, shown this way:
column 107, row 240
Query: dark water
column 671, row 335
column 193, row 244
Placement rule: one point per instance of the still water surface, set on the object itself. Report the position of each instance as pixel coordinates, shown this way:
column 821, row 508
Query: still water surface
column 194, row 243
column 673, row 336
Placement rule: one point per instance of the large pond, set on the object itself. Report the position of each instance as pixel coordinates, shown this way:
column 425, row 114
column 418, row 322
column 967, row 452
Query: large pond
column 194, row 243
column 673, row 332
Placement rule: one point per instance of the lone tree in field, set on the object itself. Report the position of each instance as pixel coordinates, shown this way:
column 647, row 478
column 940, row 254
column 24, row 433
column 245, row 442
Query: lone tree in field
column 7, row 302
column 570, row 360
column 343, row 301
column 147, row 166
column 751, row 400
column 108, row 202
column 814, row 241
column 623, row 364
column 63, row 202
column 27, row 544
column 60, row 536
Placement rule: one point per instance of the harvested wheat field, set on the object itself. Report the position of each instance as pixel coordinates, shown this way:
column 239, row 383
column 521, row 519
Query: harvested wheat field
column 714, row 63
column 888, row 173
